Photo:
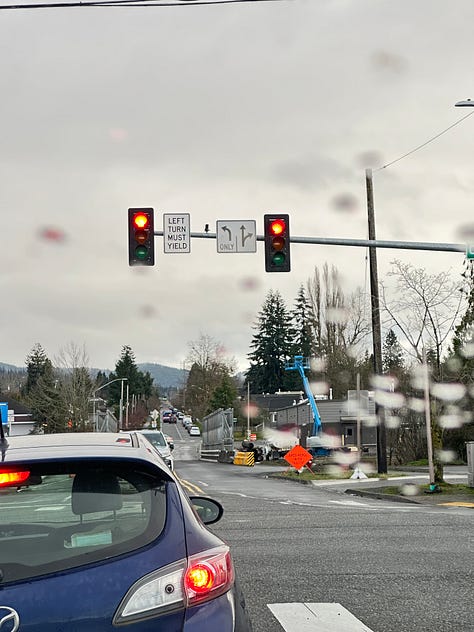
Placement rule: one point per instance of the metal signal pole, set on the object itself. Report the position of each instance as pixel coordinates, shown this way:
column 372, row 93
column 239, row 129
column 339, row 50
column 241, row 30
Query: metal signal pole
column 376, row 327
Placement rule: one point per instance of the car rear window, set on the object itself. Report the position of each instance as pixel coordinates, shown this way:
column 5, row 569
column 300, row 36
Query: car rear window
column 156, row 438
column 64, row 516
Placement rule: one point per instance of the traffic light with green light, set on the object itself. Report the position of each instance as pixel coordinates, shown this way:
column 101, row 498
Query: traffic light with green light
column 277, row 243
column 141, row 238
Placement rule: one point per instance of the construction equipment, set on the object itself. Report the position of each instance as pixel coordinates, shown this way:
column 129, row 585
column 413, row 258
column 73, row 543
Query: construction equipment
column 315, row 442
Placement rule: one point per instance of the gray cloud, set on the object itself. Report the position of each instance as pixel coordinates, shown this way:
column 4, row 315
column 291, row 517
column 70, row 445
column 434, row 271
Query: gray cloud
column 226, row 113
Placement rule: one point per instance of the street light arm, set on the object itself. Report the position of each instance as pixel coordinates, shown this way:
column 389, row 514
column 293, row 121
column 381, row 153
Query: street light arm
column 118, row 379
column 94, row 417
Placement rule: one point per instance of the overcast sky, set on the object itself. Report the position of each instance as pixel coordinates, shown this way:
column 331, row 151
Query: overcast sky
column 224, row 112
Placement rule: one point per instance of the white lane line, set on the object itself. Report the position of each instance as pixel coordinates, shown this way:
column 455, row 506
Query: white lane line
column 316, row 617
column 349, row 503
column 355, row 481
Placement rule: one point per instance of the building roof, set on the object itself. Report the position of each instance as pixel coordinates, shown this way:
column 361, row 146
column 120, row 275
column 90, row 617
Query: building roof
column 276, row 401
column 13, row 404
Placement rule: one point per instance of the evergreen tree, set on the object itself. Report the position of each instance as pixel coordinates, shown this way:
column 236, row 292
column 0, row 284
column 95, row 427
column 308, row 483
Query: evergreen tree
column 36, row 362
column 303, row 326
column 125, row 367
column 302, row 335
column 138, row 385
column 224, row 395
column 51, row 412
column 459, row 366
column 393, row 357
column 146, row 385
column 272, row 345
column 463, row 342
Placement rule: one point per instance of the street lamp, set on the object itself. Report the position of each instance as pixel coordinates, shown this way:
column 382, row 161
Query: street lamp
column 465, row 104
column 118, row 379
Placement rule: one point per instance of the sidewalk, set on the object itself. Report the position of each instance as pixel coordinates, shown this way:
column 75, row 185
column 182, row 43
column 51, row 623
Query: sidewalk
column 438, row 499
column 422, row 497
column 374, row 488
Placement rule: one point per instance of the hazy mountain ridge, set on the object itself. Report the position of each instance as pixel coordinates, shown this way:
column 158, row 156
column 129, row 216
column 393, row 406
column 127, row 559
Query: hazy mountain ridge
column 165, row 376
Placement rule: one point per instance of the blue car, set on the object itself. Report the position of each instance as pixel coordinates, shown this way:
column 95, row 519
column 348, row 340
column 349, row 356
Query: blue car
column 97, row 534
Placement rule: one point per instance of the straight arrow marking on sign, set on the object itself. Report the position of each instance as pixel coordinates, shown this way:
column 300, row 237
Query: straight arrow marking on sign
column 236, row 236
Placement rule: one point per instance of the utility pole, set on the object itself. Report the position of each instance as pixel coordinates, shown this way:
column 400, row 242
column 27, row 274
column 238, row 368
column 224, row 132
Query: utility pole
column 121, row 407
column 126, row 407
column 376, row 327
column 429, row 437
column 248, row 411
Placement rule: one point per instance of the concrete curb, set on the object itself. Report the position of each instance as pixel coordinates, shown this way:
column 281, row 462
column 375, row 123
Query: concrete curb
column 391, row 497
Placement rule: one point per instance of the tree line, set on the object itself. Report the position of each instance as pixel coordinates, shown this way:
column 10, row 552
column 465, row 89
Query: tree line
column 60, row 391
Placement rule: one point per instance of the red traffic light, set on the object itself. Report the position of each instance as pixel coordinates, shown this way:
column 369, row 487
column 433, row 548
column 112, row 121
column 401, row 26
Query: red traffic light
column 141, row 247
column 140, row 220
column 277, row 242
column 278, row 226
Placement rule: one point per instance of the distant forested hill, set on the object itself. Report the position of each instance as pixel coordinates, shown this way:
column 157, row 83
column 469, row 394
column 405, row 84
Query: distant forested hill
column 165, row 376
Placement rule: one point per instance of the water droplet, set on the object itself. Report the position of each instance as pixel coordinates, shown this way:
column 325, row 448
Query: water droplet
column 409, row 489
column 319, row 388
column 448, row 392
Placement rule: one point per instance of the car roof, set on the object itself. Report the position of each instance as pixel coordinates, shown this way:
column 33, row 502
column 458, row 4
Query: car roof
column 80, row 446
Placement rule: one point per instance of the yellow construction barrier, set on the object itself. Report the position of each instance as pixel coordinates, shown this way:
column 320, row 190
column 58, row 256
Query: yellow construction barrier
column 244, row 458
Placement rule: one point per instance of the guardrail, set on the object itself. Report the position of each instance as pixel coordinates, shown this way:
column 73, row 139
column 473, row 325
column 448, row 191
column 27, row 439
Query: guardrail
column 217, row 455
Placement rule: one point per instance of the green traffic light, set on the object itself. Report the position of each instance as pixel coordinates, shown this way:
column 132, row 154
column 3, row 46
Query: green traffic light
column 278, row 259
column 141, row 252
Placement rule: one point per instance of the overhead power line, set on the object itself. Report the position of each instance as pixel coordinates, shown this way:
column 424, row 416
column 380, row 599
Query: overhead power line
column 127, row 3
column 425, row 143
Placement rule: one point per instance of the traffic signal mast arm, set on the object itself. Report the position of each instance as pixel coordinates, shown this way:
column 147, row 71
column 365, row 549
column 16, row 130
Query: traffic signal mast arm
column 362, row 243
column 300, row 365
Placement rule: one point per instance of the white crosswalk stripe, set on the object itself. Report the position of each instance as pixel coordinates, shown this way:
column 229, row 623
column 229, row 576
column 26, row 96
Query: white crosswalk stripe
column 316, row 617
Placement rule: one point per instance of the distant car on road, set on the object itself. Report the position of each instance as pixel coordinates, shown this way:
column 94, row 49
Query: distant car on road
column 194, row 431
column 105, row 537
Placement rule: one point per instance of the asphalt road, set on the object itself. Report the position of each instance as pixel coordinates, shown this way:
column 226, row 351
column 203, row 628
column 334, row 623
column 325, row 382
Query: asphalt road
column 395, row 567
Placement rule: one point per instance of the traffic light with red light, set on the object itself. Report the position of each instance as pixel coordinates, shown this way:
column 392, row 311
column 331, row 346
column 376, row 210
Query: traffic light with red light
column 277, row 243
column 141, row 238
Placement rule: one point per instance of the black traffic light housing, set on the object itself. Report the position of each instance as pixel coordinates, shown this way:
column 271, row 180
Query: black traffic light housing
column 141, row 238
column 277, row 242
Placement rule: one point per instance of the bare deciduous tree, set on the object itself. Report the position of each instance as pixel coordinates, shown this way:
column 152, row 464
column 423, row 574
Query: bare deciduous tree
column 340, row 328
column 75, row 384
column 423, row 307
column 209, row 366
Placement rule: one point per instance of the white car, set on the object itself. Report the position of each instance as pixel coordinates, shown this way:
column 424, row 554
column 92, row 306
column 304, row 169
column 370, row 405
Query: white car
column 195, row 431
column 159, row 442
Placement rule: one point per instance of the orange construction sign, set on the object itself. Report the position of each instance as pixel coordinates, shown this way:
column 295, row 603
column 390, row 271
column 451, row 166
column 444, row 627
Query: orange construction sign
column 298, row 457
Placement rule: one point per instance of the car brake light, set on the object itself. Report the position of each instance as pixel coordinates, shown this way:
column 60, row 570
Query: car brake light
column 208, row 575
column 9, row 479
column 200, row 578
